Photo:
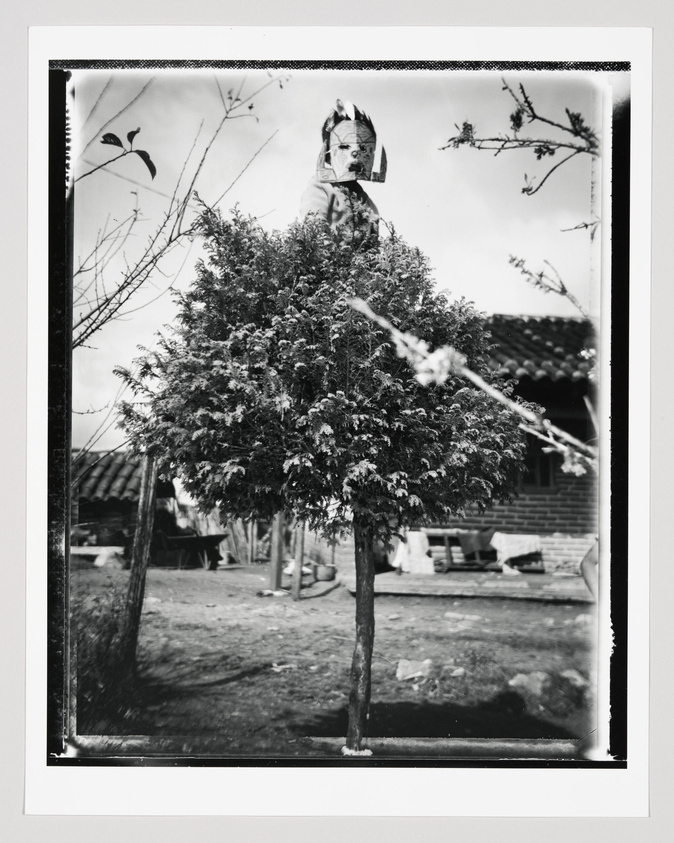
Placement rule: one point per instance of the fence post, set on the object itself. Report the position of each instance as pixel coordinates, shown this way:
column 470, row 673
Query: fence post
column 140, row 557
column 252, row 541
column 299, row 560
column 276, row 551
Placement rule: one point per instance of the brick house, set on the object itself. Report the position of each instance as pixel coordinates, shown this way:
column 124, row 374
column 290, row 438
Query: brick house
column 543, row 355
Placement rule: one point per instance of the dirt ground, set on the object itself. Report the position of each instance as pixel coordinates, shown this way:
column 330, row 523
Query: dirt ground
column 261, row 673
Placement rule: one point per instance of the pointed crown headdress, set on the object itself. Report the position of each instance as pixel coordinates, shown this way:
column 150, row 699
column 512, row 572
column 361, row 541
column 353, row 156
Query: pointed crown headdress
column 348, row 126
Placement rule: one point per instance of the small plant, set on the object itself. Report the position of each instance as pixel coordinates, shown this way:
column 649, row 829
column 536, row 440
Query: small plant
column 99, row 679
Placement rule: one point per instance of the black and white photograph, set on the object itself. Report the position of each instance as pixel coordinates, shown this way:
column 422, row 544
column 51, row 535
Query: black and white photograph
column 338, row 413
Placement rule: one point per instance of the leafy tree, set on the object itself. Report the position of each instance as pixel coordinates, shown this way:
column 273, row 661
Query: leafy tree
column 272, row 394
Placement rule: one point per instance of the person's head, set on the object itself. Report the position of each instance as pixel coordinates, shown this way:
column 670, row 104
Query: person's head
column 349, row 147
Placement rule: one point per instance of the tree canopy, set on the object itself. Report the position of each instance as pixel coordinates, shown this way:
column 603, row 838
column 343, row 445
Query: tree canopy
column 271, row 393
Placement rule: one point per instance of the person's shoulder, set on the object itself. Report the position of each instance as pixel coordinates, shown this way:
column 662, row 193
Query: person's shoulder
column 317, row 186
column 316, row 196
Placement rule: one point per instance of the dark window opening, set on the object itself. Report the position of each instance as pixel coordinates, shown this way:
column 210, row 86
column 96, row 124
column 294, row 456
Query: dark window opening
column 539, row 466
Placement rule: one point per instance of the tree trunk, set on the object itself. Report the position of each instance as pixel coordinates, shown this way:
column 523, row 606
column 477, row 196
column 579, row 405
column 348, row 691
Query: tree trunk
column 361, row 665
column 276, row 551
column 140, row 556
column 252, row 541
column 299, row 560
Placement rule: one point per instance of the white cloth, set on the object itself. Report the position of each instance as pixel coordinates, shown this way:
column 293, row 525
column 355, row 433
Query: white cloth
column 510, row 545
column 412, row 555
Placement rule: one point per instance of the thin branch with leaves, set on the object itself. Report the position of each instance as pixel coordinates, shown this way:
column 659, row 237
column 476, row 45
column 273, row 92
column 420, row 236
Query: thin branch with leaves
column 546, row 282
column 98, row 303
column 577, row 137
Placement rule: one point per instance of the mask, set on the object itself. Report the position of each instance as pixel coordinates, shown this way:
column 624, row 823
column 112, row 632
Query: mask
column 349, row 148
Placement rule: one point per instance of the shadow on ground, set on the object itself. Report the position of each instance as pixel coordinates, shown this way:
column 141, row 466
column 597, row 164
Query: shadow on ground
column 502, row 717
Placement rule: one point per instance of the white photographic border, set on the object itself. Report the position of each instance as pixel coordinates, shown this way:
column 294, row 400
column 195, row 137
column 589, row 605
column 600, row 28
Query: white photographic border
column 99, row 790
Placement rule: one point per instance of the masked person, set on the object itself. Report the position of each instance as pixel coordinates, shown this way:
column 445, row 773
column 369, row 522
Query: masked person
column 347, row 156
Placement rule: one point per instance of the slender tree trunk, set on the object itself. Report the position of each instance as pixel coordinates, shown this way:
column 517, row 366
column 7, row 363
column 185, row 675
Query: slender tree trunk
column 361, row 665
column 276, row 551
column 252, row 541
column 139, row 561
column 299, row 560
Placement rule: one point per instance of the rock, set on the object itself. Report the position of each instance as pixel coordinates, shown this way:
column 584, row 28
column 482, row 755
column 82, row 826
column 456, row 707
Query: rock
column 575, row 678
column 290, row 568
column 356, row 752
column 413, row 669
column 583, row 619
column 457, row 616
column 393, row 618
column 534, row 682
column 458, row 671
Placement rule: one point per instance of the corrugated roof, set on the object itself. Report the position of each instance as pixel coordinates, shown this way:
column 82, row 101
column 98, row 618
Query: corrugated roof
column 540, row 347
column 109, row 477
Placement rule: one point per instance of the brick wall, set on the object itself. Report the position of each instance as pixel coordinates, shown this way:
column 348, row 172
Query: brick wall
column 563, row 552
column 564, row 516
column 568, row 507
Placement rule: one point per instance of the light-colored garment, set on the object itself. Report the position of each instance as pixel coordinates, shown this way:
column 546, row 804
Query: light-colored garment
column 511, row 545
column 340, row 204
column 412, row 555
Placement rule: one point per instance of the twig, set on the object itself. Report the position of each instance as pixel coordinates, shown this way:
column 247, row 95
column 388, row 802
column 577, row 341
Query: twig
column 119, row 113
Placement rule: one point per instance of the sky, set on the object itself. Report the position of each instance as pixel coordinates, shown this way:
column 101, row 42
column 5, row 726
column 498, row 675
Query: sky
column 464, row 209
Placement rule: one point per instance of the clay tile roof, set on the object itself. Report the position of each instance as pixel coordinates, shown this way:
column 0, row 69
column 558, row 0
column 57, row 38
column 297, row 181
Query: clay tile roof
column 113, row 476
column 540, row 347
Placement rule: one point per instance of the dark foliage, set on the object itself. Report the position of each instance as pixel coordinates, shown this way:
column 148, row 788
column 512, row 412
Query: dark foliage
column 272, row 394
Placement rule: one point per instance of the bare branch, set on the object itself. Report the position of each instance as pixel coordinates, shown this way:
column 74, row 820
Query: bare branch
column 100, row 303
column 119, row 113
column 250, row 161
column 100, row 166
column 543, row 281
column 585, row 139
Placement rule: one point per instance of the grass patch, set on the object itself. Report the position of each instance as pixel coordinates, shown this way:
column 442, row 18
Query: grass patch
column 102, row 683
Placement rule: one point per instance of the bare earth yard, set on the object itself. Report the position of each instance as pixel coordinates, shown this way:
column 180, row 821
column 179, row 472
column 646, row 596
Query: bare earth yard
column 261, row 673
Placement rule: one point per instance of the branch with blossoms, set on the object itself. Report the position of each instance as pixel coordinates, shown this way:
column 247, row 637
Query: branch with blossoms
column 436, row 366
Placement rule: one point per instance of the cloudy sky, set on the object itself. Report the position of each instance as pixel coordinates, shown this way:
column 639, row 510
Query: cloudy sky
column 463, row 208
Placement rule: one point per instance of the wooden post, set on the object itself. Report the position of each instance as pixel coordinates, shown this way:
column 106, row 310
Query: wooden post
column 299, row 559
column 140, row 556
column 361, row 665
column 252, row 541
column 276, row 551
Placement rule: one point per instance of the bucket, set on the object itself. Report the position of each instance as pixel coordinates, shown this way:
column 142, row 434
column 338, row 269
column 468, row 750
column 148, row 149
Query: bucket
column 325, row 573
